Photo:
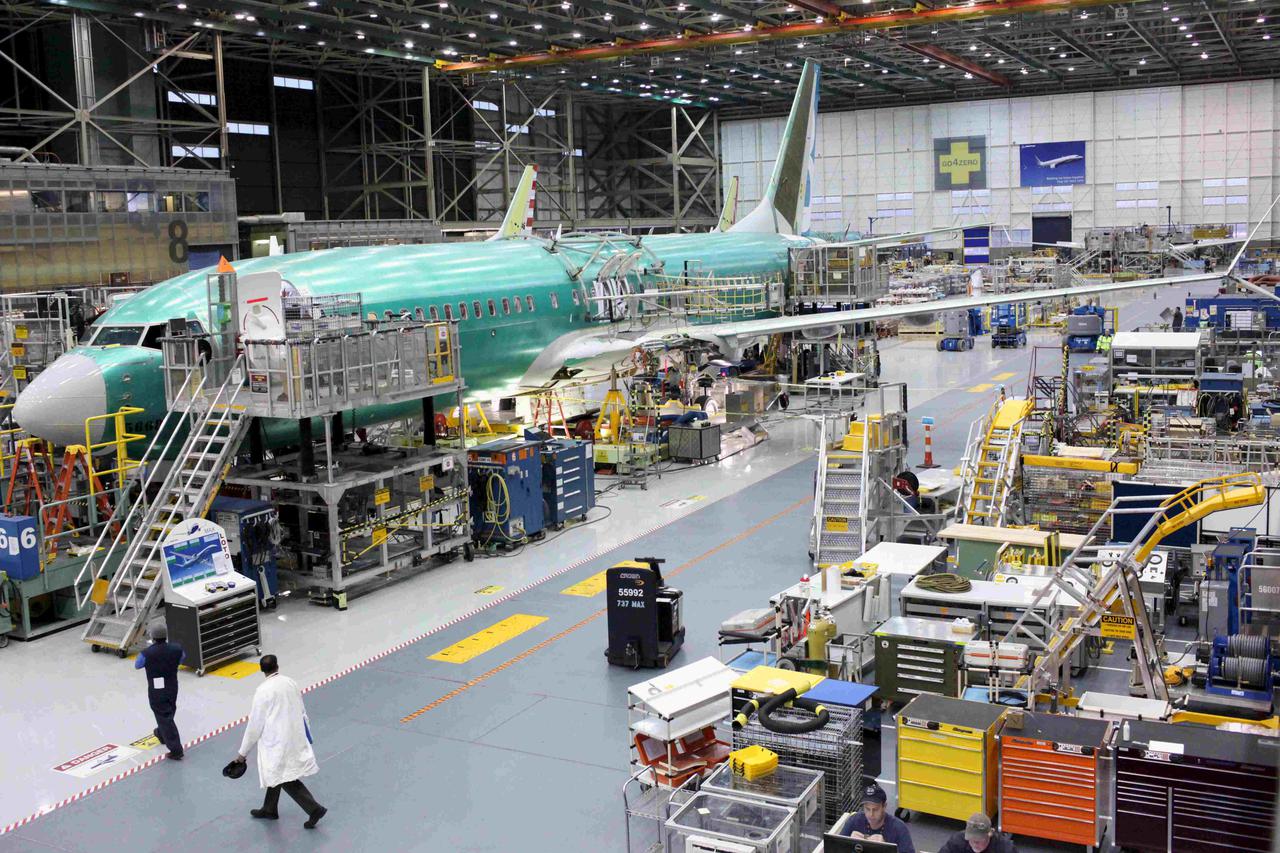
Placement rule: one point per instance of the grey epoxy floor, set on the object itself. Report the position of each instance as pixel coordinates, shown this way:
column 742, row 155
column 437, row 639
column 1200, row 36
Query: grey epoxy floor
column 532, row 757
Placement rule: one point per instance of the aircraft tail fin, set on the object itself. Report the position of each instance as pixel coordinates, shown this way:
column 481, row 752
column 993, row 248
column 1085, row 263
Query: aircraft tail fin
column 729, row 213
column 784, row 209
column 519, row 219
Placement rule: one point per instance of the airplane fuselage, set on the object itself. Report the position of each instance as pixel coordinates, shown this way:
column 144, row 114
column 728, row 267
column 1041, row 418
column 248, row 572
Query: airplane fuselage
column 512, row 300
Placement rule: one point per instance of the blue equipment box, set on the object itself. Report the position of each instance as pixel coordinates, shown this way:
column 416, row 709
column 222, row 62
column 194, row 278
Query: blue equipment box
column 19, row 547
column 252, row 537
column 568, row 480
column 506, row 491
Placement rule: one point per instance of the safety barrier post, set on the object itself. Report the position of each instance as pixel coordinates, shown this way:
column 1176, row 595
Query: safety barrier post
column 928, row 443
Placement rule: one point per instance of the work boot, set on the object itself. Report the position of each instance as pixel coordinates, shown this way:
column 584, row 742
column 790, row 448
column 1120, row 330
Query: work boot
column 264, row 814
column 315, row 817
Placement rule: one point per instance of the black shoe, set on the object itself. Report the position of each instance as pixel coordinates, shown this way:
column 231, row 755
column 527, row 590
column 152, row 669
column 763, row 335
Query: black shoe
column 156, row 732
column 264, row 814
column 177, row 756
column 315, row 817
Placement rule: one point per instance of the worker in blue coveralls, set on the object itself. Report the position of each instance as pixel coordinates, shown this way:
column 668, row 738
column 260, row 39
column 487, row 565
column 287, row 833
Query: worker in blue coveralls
column 876, row 824
column 161, row 660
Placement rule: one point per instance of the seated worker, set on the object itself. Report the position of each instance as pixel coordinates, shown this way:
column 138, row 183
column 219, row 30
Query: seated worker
column 876, row 824
column 978, row 836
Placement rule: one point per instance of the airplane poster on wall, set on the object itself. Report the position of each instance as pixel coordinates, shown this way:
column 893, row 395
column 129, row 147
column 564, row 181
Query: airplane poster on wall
column 1052, row 164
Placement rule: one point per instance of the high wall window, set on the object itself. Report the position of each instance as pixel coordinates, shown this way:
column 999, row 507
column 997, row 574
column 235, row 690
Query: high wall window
column 196, row 151
column 1136, row 202
column 294, row 83
column 891, row 204
column 1141, row 185
column 202, row 98
column 247, row 128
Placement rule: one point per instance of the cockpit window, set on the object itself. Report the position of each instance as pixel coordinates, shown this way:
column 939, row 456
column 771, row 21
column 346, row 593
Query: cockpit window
column 154, row 333
column 107, row 336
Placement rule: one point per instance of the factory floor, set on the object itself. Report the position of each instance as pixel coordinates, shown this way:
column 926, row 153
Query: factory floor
column 524, row 745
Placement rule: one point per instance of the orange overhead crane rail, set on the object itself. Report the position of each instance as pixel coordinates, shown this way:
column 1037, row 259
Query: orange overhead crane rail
column 809, row 29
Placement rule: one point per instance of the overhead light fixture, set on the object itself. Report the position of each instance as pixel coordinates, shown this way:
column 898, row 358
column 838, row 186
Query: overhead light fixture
column 1204, row 56
column 182, row 5
column 1266, row 36
column 577, row 34
column 608, row 16
column 703, row 80
column 973, row 47
column 1008, row 23
column 644, row 25
column 312, row 3
column 1024, row 71
column 1084, row 16
column 493, row 16
column 261, row 33
column 1062, row 56
column 373, row 14
column 715, row 16
column 1182, row 28
column 368, row 50
column 302, row 26
column 746, row 28
column 1000, row 62
column 537, row 26
column 137, row 14
column 986, row 55
column 320, row 43
column 1261, row 20
column 360, row 36
column 1175, row 19
column 1142, row 62
column 1071, row 68
column 512, row 42
column 1195, row 44
column 409, row 43
column 566, row 5
column 1109, row 35
column 968, row 76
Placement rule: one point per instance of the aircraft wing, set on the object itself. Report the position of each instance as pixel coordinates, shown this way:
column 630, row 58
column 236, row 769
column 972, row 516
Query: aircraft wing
column 1202, row 244
column 594, row 352
column 907, row 236
column 775, row 325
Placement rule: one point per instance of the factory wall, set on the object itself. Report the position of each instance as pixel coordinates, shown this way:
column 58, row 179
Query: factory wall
column 1210, row 152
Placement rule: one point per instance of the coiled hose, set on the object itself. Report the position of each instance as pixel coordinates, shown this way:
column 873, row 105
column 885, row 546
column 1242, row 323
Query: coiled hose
column 780, row 725
column 945, row 582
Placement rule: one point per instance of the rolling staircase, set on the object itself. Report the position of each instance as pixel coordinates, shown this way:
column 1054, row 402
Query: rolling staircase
column 991, row 464
column 840, row 512
column 213, row 425
column 1114, row 591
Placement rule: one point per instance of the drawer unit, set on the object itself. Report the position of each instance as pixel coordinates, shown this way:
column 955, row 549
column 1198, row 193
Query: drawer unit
column 1191, row 789
column 947, row 756
column 915, row 656
column 994, row 606
column 1055, row 777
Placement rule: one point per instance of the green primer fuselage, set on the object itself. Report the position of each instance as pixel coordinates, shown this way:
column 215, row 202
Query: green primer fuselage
column 497, row 350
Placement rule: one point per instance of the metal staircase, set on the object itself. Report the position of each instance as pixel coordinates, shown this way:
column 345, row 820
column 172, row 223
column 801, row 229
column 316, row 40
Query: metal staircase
column 991, row 463
column 1114, row 590
column 840, row 511
column 125, row 582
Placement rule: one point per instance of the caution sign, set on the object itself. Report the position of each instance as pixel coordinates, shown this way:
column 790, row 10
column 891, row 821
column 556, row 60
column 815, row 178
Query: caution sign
column 381, row 496
column 96, row 760
column 1118, row 627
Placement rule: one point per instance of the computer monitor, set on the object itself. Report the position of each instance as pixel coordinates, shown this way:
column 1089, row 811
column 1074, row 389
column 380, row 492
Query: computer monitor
column 844, row 844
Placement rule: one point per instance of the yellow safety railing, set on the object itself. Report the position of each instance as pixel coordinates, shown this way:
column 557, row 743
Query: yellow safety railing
column 9, row 439
column 1200, row 499
column 440, row 357
column 116, row 439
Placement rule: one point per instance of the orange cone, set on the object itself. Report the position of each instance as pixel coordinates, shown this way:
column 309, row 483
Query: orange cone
column 224, row 266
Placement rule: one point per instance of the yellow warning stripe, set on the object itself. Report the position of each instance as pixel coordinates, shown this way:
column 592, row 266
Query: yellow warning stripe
column 488, row 639
column 479, row 679
column 1002, row 376
column 593, row 585
column 985, row 386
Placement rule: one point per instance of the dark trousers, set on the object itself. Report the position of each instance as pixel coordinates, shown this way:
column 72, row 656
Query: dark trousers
column 294, row 789
column 164, row 707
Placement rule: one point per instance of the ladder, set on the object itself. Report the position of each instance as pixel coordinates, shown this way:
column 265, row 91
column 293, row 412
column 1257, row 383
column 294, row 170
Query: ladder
column 60, row 514
column 213, row 424
column 991, row 463
column 31, row 477
column 840, row 511
column 1116, row 587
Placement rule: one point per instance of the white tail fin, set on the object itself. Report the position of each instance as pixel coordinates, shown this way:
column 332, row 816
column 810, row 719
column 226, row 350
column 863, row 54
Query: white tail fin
column 784, row 209
column 519, row 219
column 729, row 213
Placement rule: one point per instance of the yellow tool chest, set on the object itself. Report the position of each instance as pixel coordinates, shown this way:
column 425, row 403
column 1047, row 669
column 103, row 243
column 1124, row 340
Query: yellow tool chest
column 947, row 756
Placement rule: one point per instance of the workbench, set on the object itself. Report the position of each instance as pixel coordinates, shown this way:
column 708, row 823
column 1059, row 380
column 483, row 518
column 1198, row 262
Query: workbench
column 915, row 656
column 994, row 607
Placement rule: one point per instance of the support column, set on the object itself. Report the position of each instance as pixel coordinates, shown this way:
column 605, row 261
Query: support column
column 278, row 183
column 224, row 143
column 306, row 450
column 428, row 144
column 336, row 436
column 257, row 446
column 429, row 421
column 86, row 92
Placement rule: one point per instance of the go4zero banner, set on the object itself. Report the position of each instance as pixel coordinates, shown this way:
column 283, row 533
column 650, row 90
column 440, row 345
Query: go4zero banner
column 960, row 163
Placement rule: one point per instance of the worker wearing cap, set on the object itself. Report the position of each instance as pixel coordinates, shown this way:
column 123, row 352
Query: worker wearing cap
column 874, row 823
column 978, row 837
column 161, row 660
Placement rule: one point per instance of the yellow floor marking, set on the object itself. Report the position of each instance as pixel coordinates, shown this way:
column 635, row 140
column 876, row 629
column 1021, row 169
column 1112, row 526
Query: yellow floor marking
column 985, row 386
column 593, row 585
column 491, row 589
column 488, row 639
column 237, row 669
column 510, row 662
column 999, row 376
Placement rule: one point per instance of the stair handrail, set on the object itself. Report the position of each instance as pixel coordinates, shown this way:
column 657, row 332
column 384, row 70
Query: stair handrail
column 174, row 473
column 151, row 470
column 1008, row 470
column 819, row 490
column 979, row 429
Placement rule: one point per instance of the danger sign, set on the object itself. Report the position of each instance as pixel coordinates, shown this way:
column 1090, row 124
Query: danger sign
column 96, row 760
column 1117, row 627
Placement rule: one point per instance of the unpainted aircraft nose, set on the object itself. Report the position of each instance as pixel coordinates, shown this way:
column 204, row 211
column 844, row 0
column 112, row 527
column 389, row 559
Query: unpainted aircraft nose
column 55, row 405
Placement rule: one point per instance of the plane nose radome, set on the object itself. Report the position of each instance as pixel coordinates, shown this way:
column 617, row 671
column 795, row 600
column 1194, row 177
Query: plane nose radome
column 54, row 406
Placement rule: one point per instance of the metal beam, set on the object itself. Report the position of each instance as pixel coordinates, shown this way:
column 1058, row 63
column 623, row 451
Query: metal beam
column 876, row 21
column 1025, row 59
column 1149, row 42
column 946, row 57
column 1231, row 47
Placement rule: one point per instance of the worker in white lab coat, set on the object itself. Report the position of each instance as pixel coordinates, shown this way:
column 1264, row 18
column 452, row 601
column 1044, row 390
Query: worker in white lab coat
column 278, row 728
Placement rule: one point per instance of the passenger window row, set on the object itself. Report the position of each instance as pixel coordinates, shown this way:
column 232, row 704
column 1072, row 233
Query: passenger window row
column 509, row 304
